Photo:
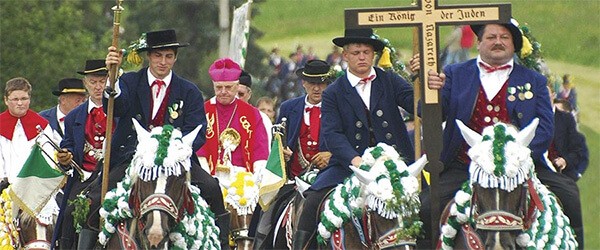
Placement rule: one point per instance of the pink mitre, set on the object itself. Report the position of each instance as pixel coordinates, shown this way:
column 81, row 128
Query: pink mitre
column 224, row 70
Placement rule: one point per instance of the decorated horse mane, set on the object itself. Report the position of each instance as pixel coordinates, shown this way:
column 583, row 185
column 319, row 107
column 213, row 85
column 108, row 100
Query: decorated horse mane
column 384, row 184
column 501, row 160
column 162, row 152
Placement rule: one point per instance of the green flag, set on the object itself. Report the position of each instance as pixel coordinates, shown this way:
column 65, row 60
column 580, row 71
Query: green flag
column 36, row 183
column 274, row 175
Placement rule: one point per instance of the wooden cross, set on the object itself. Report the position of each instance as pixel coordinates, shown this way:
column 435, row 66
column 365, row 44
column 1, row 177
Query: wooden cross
column 426, row 16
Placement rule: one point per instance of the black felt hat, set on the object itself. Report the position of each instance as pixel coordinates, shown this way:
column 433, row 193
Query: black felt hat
column 245, row 79
column 359, row 36
column 94, row 67
column 316, row 71
column 69, row 85
column 513, row 27
column 161, row 40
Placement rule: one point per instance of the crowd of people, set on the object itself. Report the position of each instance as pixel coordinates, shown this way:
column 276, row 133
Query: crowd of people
column 330, row 121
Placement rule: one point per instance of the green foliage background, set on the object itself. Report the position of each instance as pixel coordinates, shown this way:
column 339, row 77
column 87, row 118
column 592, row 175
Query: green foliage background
column 47, row 40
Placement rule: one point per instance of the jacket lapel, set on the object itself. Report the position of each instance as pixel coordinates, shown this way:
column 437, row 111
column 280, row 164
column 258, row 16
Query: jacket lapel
column 376, row 93
column 145, row 97
column 354, row 100
column 472, row 90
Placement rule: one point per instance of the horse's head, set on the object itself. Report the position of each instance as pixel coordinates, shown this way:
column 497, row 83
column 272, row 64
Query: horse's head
column 383, row 194
column 160, row 193
column 500, row 166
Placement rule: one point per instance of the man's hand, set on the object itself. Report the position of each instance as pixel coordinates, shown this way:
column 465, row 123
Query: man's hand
column 356, row 161
column 321, row 159
column 560, row 164
column 414, row 63
column 435, row 80
column 114, row 57
column 287, row 154
column 64, row 157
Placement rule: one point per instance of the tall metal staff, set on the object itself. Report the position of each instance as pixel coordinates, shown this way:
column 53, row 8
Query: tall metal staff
column 112, row 76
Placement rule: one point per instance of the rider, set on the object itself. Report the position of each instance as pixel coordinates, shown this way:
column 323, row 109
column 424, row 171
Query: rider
column 359, row 110
column 85, row 129
column 70, row 93
column 156, row 96
column 484, row 91
column 303, row 116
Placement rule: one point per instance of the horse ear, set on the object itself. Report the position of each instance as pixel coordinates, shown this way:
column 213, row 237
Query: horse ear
column 471, row 137
column 526, row 135
column 363, row 176
column 141, row 131
column 189, row 138
column 415, row 168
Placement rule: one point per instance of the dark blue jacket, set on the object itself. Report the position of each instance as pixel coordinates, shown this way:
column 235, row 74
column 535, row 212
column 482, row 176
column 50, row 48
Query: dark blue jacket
column 345, row 126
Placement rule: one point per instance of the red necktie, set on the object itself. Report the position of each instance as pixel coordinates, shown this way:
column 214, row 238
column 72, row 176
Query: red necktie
column 367, row 79
column 98, row 116
column 315, row 121
column 158, row 83
column 62, row 119
column 490, row 69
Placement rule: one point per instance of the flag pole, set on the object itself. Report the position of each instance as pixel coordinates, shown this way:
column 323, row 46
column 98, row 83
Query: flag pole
column 112, row 75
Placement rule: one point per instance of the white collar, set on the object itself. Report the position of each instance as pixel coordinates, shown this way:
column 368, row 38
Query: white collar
column 309, row 105
column 353, row 79
column 92, row 105
column 167, row 79
column 482, row 70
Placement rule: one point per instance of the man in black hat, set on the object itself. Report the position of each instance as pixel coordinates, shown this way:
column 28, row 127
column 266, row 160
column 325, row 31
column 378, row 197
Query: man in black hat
column 303, row 151
column 359, row 110
column 84, row 136
column 156, row 96
column 489, row 89
column 70, row 94
column 244, row 88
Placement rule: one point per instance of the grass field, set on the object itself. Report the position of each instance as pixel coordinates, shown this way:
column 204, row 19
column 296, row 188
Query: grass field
column 568, row 31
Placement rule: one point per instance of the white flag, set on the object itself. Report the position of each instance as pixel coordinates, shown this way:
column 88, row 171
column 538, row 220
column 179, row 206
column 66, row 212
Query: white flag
column 240, row 29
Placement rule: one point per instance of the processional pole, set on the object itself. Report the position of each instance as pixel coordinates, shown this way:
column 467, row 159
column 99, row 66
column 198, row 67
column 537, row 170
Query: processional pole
column 113, row 73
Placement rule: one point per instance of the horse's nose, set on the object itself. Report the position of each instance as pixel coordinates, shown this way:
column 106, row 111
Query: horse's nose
column 155, row 236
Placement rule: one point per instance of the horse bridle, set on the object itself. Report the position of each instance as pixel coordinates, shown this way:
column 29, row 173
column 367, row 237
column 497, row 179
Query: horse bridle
column 163, row 202
column 498, row 220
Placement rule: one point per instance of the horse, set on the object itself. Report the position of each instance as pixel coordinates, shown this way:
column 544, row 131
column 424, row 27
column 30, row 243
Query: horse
column 155, row 206
column 375, row 208
column 503, row 205
column 23, row 230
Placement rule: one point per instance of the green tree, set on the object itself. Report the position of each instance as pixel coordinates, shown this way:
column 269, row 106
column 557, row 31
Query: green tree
column 43, row 41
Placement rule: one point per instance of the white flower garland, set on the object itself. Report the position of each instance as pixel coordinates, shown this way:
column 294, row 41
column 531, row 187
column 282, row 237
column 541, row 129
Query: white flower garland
column 389, row 199
column 243, row 193
column 194, row 231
